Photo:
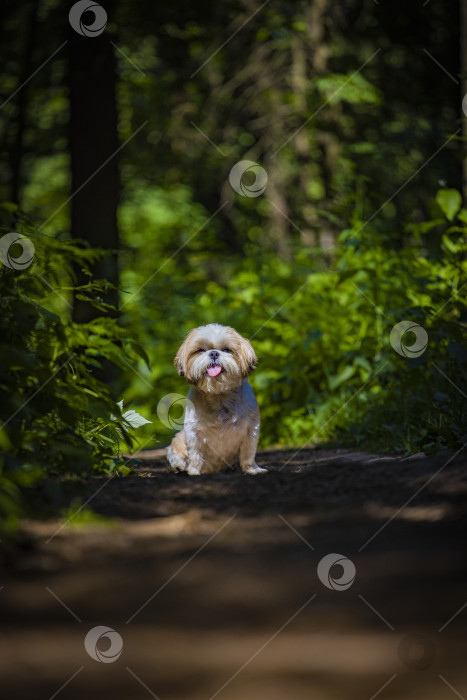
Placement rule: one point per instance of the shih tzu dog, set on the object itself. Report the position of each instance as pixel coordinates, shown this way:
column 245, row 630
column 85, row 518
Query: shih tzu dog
column 221, row 427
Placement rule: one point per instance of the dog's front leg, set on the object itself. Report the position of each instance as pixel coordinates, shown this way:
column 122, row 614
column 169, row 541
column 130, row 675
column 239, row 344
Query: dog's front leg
column 195, row 459
column 248, row 452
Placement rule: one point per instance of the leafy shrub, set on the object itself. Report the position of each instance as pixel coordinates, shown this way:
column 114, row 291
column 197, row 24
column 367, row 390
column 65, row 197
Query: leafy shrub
column 55, row 411
column 327, row 370
column 321, row 328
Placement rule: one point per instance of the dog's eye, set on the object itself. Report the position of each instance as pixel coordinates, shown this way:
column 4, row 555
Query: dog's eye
column 226, row 350
column 201, row 350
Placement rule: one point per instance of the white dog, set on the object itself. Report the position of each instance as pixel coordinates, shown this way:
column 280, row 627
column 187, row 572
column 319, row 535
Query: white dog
column 222, row 415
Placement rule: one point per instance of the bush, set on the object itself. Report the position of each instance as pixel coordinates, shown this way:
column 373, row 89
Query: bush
column 327, row 369
column 57, row 416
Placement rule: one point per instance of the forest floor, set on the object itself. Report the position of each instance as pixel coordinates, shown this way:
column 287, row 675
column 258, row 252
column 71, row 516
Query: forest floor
column 212, row 584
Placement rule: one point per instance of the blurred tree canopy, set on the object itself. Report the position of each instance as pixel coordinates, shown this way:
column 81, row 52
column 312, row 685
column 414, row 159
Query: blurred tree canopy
column 117, row 150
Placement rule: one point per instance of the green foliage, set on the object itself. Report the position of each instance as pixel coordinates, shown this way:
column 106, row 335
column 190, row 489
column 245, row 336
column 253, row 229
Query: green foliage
column 341, row 377
column 450, row 201
column 56, row 413
column 327, row 370
column 352, row 88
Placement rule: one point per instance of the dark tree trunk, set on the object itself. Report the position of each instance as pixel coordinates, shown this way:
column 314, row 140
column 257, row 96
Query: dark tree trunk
column 16, row 155
column 93, row 141
column 463, row 62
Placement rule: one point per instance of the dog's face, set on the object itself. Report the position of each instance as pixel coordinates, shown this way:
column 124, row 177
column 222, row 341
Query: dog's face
column 215, row 358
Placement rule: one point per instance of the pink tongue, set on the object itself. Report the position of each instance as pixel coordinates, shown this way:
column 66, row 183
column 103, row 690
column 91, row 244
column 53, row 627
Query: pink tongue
column 214, row 371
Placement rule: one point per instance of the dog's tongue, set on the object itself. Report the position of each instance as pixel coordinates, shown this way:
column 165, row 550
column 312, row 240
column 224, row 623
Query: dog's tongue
column 214, row 371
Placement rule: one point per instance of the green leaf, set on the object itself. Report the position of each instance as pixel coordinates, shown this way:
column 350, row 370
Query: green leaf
column 450, row 201
column 337, row 380
column 348, row 87
column 135, row 419
column 300, row 26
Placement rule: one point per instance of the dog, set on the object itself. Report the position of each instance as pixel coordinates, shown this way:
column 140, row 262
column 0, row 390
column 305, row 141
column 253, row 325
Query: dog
column 221, row 426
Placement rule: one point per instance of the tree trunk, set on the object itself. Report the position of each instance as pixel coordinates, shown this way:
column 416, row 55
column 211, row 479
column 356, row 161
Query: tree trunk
column 463, row 62
column 16, row 155
column 93, row 140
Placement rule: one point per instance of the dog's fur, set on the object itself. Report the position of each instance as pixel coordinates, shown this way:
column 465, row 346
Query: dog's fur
column 221, row 427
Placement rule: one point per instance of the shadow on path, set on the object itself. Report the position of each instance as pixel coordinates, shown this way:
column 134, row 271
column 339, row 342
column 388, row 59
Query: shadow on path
column 212, row 584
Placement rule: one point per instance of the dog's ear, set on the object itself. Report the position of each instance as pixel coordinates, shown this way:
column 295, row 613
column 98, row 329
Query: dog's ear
column 179, row 365
column 181, row 358
column 247, row 357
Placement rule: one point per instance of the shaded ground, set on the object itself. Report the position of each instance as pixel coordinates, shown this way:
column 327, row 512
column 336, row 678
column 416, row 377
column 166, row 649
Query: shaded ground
column 212, row 584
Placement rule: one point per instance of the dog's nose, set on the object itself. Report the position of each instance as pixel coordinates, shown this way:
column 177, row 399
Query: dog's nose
column 213, row 355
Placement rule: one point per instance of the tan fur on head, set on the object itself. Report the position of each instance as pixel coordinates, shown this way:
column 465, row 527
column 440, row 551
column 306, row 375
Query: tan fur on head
column 235, row 356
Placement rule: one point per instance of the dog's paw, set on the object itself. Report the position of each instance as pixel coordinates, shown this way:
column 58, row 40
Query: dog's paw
column 192, row 471
column 254, row 469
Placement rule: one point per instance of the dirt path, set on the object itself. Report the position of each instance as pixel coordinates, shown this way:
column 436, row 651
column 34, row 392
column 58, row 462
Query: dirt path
column 212, row 585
